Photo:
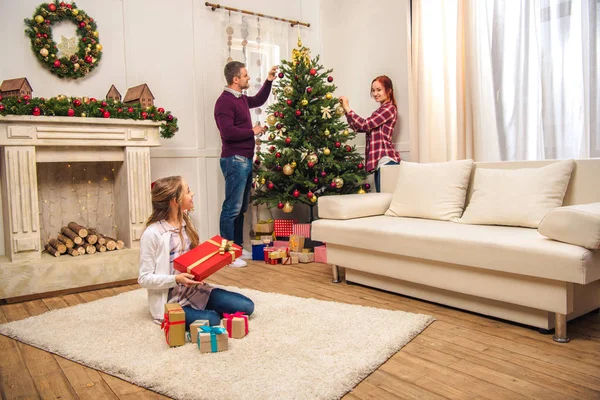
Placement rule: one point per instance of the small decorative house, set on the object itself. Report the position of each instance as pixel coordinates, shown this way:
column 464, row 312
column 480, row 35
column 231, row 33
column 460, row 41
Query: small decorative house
column 15, row 87
column 113, row 94
column 139, row 94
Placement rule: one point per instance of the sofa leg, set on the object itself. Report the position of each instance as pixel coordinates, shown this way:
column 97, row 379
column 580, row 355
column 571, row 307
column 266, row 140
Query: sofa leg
column 335, row 272
column 560, row 328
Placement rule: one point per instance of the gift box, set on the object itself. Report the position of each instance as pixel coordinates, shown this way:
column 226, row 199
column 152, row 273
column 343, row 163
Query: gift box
column 283, row 227
column 264, row 226
column 303, row 258
column 194, row 326
column 174, row 324
column 296, row 243
column 321, row 254
column 207, row 258
column 266, row 252
column 236, row 324
column 301, row 230
column 281, row 243
column 258, row 247
column 289, row 260
column 273, row 261
column 212, row 339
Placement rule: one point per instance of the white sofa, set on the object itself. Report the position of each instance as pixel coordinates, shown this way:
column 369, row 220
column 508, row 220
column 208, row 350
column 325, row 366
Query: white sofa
column 513, row 273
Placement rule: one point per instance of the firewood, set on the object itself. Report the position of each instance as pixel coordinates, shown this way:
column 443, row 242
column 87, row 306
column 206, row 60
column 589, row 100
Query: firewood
column 101, row 239
column 78, row 229
column 52, row 250
column 71, row 235
column 90, row 248
column 80, row 250
column 120, row 245
column 111, row 244
column 68, row 242
column 73, row 252
column 62, row 249
column 91, row 239
column 100, row 247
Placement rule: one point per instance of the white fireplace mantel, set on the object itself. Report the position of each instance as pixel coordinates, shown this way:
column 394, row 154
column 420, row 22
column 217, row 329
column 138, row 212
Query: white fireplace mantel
column 28, row 140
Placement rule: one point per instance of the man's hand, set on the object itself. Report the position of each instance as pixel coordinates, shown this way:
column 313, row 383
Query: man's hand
column 186, row 280
column 259, row 130
column 271, row 75
column 345, row 104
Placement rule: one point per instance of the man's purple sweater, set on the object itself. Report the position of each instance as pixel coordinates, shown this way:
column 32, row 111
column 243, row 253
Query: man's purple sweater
column 232, row 115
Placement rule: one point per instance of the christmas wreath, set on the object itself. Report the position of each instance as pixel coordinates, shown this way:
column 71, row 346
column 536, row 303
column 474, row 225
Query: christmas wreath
column 77, row 59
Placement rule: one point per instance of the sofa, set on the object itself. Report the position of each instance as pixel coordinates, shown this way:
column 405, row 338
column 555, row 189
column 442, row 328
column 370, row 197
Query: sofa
column 514, row 273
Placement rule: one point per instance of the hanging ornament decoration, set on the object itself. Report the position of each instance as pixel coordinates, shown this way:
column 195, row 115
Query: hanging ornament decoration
column 339, row 110
column 313, row 158
column 244, row 32
column 326, row 111
column 326, row 151
column 287, row 207
column 288, row 91
column 304, row 102
column 361, row 191
column 302, row 55
column 293, row 164
column 76, row 59
column 313, row 199
column 281, row 130
column 329, row 96
column 288, row 169
column 339, row 182
column 271, row 119
column 346, row 132
column 326, row 132
column 229, row 32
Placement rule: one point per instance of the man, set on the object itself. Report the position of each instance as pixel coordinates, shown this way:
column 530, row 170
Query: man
column 232, row 115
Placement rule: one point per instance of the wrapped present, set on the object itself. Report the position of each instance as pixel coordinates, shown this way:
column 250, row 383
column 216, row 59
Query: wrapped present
column 194, row 326
column 264, row 226
column 273, row 261
column 303, row 257
column 301, row 230
column 321, row 254
column 212, row 339
column 289, row 260
column 174, row 324
column 281, row 243
column 208, row 257
column 283, row 227
column 266, row 252
column 258, row 247
column 266, row 238
column 296, row 243
column 236, row 324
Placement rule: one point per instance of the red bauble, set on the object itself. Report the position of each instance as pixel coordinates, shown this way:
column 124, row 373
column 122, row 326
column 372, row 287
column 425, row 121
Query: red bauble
column 316, row 180
column 338, row 144
column 56, row 63
column 313, row 71
column 298, row 113
column 47, row 22
column 36, row 111
column 278, row 126
column 330, row 79
column 272, row 149
column 104, row 104
column 309, row 90
column 52, row 7
column 332, row 184
column 144, row 114
column 278, row 155
column 38, row 35
column 323, row 174
column 101, row 110
column 70, row 112
column 270, row 185
column 170, row 117
column 360, row 165
column 45, row 35
column 76, row 102
column 84, row 40
column 62, row 4
column 1, row 107
column 280, row 205
column 296, row 193
column 309, row 195
column 348, row 148
column 88, row 59
column 288, row 140
column 82, row 24
column 281, row 115
column 367, row 186
column 130, row 109
column 289, row 102
column 69, row 6
column 106, row 114
column 161, row 110
column 25, row 97
column 278, row 167
column 152, row 115
column 257, row 161
column 92, row 99
column 280, row 75
column 310, row 164
column 119, row 109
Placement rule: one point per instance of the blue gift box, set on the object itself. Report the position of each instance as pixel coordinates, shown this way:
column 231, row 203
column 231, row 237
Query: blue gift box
column 258, row 247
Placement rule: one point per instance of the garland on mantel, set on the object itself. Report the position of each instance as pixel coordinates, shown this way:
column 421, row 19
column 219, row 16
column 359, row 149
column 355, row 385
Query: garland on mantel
column 84, row 107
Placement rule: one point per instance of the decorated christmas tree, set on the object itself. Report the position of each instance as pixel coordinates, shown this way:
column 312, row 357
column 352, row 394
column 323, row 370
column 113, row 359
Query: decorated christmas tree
column 306, row 154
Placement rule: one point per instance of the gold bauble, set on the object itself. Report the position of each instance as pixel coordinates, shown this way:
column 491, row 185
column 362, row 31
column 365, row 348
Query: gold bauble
column 287, row 207
column 83, row 115
column 339, row 182
column 271, row 119
column 312, row 158
column 262, row 181
column 329, row 96
column 272, row 136
column 346, row 132
column 75, row 12
column 288, row 91
column 288, row 169
column 313, row 199
column 99, row 47
column 39, row 19
column 326, row 151
column 326, row 133
column 361, row 191
column 339, row 110
column 95, row 34
column 44, row 52
column 293, row 164
column 304, row 102
column 61, row 97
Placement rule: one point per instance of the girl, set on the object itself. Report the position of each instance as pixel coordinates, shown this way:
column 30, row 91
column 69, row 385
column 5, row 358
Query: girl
column 379, row 127
column 170, row 233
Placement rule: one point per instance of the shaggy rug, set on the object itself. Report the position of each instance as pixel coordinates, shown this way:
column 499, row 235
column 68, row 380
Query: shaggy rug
column 296, row 348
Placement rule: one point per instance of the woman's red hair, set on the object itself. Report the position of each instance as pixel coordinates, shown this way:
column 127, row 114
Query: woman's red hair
column 386, row 82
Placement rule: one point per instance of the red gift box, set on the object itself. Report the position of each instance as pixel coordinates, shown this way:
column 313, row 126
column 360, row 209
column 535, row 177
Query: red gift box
column 207, row 258
column 301, row 230
column 283, row 227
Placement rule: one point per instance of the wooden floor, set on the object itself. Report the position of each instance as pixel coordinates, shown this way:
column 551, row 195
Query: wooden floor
column 460, row 356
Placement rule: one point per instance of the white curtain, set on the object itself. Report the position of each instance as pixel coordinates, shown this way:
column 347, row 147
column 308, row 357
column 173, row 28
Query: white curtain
column 542, row 57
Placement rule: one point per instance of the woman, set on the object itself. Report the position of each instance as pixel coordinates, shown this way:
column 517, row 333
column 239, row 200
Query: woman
column 379, row 127
column 170, row 233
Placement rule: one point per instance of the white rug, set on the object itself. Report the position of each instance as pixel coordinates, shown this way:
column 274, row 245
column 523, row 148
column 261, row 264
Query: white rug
column 296, row 349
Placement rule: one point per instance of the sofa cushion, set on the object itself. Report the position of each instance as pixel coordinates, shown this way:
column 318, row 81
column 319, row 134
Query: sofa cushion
column 433, row 191
column 519, row 197
column 579, row 225
column 510, row 249
column 354, row 205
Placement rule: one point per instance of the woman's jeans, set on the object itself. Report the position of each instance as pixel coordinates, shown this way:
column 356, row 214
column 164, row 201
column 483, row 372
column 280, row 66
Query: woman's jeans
column 237, row 171
column 220, row 301
column 378, row 177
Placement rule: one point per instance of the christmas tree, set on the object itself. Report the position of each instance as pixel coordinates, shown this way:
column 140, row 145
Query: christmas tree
column 306, row 153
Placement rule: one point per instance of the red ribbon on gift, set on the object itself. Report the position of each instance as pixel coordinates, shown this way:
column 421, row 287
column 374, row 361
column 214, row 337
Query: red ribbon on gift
column 166, row 325
column 230, row 317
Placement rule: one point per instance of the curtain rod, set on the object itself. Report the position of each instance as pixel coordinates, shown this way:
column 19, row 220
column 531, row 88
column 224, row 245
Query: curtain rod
column 293, row 23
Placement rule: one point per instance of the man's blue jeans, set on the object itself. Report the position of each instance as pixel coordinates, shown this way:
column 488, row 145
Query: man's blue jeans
column 220, row 301
column 378, row 177
column 237, row 171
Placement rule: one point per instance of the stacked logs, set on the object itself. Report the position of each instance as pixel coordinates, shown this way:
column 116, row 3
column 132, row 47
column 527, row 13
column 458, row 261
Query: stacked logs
column 76, row 240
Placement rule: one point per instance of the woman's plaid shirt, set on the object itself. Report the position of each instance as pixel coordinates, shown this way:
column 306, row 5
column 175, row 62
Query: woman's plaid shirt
column 379, row 128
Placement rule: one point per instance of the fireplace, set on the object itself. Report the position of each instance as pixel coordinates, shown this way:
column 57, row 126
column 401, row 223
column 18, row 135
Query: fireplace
column 59, row 169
